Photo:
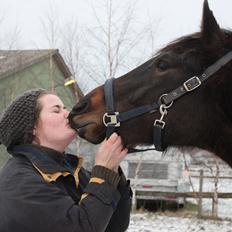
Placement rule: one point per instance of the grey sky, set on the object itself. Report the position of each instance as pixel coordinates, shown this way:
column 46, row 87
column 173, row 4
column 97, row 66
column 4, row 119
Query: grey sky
column 177, row 17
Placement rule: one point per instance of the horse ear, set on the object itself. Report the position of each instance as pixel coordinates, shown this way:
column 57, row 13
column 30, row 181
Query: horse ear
column 210, row 30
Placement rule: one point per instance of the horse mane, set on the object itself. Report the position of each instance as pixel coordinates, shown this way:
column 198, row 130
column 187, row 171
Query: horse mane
column 185, row 41
column 189, row 41
column 181, row 44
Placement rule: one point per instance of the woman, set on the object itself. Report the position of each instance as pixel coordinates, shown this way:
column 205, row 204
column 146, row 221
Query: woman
column 44, row 189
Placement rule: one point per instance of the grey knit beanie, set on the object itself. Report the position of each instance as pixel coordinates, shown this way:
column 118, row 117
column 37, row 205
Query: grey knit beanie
column 18, row 120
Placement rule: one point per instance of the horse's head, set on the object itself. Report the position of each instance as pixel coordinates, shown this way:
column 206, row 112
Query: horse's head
column 193, row 119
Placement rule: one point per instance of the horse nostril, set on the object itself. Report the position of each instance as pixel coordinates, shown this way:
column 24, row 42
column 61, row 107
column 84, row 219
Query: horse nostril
column 81, row 107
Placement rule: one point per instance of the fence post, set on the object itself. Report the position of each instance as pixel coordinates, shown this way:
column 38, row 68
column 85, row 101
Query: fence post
column 215, row 194
column 200, row 194
column 137, row 170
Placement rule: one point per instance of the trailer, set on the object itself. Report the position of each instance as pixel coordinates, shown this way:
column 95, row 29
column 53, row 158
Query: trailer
column 150, row 178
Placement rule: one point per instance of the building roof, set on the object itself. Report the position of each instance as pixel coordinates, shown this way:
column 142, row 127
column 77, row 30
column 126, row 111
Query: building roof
column 13, row 61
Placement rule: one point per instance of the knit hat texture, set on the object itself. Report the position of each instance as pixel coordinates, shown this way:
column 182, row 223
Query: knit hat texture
column 18, row 120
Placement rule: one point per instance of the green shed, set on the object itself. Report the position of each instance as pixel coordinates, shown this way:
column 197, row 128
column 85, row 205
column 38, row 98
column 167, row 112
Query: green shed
column 21, row 70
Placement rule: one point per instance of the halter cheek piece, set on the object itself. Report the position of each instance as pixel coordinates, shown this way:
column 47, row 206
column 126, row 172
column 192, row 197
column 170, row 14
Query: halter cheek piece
column 112, row 119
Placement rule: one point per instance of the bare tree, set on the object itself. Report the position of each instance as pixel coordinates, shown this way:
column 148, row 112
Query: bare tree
column 1, row 17
column 1, row 22
column 212, row 166
column 214, row 169
column 137, row 170
column 115, row 40
column 71, row 47
column 108, row 48
column 51, row 30
column 9, row 39
column 51, row 26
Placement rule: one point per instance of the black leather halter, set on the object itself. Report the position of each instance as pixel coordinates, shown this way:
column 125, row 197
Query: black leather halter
column 112, row 119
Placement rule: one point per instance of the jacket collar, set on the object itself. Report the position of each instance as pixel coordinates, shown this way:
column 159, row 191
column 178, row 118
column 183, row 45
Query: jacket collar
column 46, row 159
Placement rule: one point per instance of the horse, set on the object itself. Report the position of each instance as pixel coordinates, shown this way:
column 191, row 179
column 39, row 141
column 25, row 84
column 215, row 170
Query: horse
column 181, row 97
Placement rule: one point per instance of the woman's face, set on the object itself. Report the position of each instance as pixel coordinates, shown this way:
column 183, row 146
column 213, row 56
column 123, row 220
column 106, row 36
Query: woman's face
column 52, row 129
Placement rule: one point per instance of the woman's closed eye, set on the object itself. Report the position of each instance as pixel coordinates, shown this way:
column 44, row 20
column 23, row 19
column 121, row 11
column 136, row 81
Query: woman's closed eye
column 57, row 109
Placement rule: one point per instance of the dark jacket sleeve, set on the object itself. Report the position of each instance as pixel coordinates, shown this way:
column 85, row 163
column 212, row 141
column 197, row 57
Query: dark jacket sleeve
column 119, row 222
column 28, row 204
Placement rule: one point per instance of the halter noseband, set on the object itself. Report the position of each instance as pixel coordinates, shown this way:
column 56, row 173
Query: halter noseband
column 112, row 119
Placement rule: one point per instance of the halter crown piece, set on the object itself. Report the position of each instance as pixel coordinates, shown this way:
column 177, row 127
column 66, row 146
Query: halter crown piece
column 113, row 119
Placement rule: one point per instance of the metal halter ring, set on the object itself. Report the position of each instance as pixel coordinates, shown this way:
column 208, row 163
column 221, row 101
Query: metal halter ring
column 113, row 120
column 162, row 103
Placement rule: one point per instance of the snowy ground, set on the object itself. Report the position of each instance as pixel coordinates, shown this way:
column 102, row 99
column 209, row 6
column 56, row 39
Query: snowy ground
column 175, row 222
column 146, row 222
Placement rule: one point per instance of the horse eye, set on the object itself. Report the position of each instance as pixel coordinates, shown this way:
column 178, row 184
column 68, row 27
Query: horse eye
column 162, row 65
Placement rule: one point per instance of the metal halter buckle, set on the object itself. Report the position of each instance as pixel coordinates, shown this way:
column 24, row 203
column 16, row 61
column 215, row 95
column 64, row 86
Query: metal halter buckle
column 113, row 120
column 159, row 122
column 192, row 83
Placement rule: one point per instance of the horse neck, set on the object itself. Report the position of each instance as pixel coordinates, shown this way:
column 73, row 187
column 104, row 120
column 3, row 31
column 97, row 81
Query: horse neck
column 226, row 96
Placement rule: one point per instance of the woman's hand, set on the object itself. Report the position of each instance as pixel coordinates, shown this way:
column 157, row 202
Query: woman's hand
column 111, row 152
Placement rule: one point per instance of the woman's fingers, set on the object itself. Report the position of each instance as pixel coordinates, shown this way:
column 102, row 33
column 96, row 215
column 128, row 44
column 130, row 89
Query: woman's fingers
column 124, row 153
column 111, row 152
column 112, row 139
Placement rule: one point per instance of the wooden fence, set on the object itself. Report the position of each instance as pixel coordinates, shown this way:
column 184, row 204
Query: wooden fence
column 197, row 195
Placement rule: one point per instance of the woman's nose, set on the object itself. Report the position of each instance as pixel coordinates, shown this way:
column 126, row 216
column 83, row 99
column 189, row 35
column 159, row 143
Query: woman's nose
column 66, row 113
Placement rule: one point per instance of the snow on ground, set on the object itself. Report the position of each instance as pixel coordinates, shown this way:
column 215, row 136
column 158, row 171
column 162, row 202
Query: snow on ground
column 175, row 222
column 153, row 222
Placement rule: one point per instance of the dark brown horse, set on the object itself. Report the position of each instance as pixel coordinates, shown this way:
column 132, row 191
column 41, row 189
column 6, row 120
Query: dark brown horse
column 200, row 116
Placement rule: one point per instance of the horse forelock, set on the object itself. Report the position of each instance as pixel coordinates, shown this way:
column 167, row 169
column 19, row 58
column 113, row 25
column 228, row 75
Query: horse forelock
column 182, row 43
